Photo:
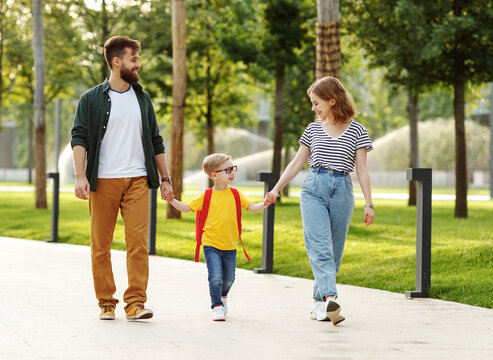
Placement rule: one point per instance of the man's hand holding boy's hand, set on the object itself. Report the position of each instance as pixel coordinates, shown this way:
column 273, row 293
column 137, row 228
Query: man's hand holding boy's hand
column 166, row 191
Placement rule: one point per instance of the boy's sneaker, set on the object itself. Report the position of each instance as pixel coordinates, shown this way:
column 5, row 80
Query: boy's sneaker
column 317, row 311
column 107, row 312
column 332, row 310
column 138, row 311
column 218, row 313
column 224, row 299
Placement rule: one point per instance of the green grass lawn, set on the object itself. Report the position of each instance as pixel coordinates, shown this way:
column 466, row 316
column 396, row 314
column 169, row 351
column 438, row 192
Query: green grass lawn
column 381, row 256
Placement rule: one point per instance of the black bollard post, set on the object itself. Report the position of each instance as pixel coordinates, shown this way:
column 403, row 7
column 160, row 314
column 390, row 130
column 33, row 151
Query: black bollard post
column 54, row 207
column 423, row 231
column 152, row 221
column 269, row 180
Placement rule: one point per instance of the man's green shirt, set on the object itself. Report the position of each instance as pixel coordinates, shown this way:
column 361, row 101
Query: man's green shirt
column 91, row 121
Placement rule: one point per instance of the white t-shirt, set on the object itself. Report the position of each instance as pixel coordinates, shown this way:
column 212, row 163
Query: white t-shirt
column 122, row 152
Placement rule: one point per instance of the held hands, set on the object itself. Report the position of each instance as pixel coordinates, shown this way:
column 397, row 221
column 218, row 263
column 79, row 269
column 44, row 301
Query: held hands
column 166, row 191
column 369, row 214
column 271, row 197
column 82, row 188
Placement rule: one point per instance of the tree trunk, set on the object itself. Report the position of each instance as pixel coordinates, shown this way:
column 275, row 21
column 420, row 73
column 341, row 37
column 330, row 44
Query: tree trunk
column 412, row 109
column 30, row 151
column 179, row 27
column 328, row 47
column 278, row 120
column 105, row 33
column 210, row 122
column 287, row 159
column 39, row 105
column 461, row 178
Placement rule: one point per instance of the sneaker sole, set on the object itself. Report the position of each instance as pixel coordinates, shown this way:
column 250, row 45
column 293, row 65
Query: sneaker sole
column 333, row 310
column 326, row 318
column 218, row 319
column 143, row 315
column 107, row 317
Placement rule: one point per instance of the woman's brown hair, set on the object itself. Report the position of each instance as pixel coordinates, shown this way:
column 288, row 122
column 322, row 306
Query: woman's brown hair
column 328, row 88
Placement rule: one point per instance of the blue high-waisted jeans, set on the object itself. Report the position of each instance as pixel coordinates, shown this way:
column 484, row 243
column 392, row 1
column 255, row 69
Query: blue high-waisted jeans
column 221, row 265
column 327, row 204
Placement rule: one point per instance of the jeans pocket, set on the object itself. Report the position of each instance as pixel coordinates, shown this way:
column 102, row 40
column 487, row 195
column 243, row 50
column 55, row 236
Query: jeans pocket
column 308, row 181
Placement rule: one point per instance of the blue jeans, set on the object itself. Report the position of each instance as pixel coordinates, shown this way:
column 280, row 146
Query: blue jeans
column 221, row 266
column 327, row 204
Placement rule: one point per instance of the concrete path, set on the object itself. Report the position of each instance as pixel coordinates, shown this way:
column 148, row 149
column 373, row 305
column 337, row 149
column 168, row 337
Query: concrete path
column 49, row 312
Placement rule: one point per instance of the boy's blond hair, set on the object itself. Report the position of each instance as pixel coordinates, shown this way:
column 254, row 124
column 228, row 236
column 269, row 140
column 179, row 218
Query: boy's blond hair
column 212, row 161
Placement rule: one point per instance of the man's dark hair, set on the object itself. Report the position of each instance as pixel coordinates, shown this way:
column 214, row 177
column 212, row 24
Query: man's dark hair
column 115, row 46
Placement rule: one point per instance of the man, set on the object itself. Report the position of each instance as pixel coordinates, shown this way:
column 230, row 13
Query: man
column 116, row 132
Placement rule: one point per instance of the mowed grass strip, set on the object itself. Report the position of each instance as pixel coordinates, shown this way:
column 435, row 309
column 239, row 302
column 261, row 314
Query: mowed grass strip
column 381, row 256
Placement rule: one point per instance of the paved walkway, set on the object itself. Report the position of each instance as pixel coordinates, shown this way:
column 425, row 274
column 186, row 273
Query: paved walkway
column 49, row 312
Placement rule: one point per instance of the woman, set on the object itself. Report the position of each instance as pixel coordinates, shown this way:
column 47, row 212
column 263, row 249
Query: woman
column 333, row 146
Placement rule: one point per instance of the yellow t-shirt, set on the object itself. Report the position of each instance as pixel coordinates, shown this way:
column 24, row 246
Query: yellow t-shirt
column 221, row 226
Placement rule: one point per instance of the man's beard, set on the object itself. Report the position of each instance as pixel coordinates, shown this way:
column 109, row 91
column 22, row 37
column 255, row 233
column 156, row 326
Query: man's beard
column 129, row 76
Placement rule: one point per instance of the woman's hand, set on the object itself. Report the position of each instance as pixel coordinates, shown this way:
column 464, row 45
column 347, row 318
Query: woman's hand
column 271, row 197
column 369, row 214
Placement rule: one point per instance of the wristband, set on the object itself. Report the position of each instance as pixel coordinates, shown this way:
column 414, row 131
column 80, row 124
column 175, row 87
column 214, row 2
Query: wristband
column 168, row 179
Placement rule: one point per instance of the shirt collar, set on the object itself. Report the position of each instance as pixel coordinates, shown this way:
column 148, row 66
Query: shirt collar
column 106, row 86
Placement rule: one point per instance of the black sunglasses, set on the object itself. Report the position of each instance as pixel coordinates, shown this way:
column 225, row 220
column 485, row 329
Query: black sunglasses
column 228, row 169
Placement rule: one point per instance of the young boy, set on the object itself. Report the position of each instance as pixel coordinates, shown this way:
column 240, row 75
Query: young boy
column 220, row 235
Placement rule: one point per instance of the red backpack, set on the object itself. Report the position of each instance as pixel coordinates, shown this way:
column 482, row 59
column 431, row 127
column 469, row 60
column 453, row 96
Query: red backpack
column 202, row 216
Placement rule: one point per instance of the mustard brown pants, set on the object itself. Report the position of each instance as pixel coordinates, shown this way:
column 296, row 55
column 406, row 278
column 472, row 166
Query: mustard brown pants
column 131, row 197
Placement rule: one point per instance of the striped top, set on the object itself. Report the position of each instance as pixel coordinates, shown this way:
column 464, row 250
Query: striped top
column 335, row 153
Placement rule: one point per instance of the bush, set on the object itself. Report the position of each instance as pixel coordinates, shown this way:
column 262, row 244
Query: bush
column 436, row 141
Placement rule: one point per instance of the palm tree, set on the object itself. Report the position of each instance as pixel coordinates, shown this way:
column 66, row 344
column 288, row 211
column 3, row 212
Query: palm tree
column 328, row 53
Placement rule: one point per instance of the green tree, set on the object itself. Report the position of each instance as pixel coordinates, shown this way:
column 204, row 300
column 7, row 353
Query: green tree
column 283, row 37
column 219, row 88
column 61, row 39
column 95, row 26
column 459, row 51
column 392, row 42
column 432, row 43
column 301, row 74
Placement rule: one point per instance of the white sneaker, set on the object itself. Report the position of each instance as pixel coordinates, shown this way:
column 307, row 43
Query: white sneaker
column 224, row 299
column 317, row 311
column 218, row 313
column 332, row 310
column 317, row 308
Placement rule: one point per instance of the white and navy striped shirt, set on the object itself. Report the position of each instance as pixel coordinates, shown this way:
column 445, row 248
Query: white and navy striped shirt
column 335, row 153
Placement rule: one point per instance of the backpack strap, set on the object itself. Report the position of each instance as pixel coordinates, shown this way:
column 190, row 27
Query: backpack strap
column 238, row 218
column 200, row 219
